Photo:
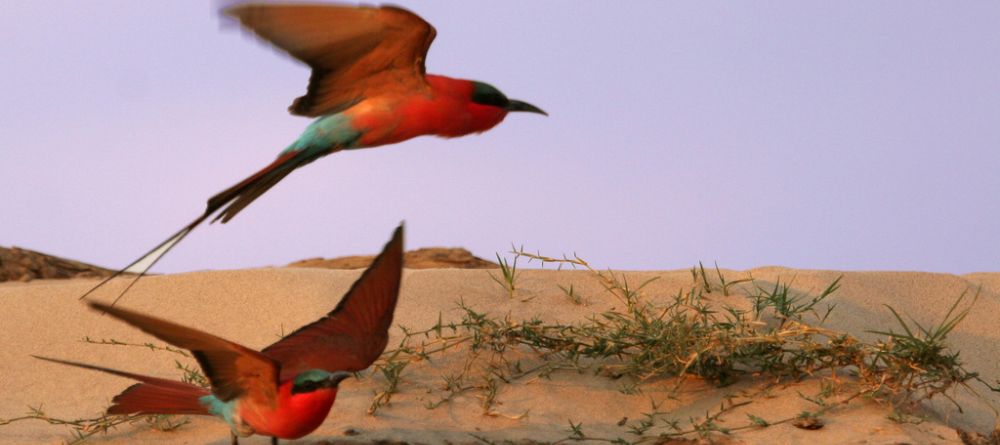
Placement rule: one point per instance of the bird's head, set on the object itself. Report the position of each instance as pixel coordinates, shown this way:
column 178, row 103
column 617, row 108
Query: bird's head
column 486, row 94
column 316, row 379
column 467, row 106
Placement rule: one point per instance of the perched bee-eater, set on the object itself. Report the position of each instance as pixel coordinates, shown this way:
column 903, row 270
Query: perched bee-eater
column 285, row 390
column 368, row 88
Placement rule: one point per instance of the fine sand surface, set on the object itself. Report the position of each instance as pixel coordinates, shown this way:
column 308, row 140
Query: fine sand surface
column 254, row 307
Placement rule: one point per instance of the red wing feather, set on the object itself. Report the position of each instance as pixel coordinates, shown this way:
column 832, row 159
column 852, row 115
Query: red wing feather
column 233, row 369
column 354, row 51
column 240, row 195
column 147, row 398
column 153, row 396
column 354, row 334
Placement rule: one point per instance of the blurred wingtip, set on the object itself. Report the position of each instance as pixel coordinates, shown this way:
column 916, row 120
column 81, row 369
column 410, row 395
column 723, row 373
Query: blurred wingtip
column 226, row 7
column 226, row 11
column 397, row 235
column 100, row 307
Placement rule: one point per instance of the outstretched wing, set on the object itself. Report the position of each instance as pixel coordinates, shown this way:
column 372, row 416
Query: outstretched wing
column 355, row 333
column 354, row 51
column 234, row 370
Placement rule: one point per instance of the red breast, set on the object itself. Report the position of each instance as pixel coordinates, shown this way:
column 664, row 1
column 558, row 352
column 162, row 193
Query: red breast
column 294, row 416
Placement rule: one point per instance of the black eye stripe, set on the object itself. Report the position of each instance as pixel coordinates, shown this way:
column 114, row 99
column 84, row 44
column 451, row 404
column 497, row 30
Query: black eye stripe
column 307, row 386
column 488, row 95
column 497, row 100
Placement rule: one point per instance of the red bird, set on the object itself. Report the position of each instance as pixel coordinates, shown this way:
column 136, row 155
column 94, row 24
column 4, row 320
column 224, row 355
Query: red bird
column 368, row 88
column 285, row 390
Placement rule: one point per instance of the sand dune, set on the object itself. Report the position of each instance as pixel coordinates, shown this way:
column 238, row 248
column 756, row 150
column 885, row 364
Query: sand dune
column 255, row 306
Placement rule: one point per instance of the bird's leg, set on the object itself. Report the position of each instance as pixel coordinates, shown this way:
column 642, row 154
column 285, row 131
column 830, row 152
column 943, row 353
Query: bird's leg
column 274, row 440
column 235, row 440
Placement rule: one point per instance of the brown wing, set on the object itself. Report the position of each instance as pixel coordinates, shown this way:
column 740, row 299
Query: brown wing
column 355, row 333
column 354, row 52
column 233, row 370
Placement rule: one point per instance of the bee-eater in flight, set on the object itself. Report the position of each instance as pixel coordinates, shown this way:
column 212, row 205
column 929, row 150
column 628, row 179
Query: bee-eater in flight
column 368, row 88
column 285, row 390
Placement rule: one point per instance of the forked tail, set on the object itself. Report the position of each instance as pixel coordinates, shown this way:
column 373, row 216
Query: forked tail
column 231, row 201
column 152, row 396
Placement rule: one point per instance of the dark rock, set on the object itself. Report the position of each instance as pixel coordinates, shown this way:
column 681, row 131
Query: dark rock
column 17, row 264
column 426, row 258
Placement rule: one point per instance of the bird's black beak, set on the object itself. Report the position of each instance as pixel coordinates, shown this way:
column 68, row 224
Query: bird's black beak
column 336, row 378
column 516, row 105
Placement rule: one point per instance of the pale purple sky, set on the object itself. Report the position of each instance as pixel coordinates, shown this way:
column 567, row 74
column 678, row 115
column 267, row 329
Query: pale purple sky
column 835, row 135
